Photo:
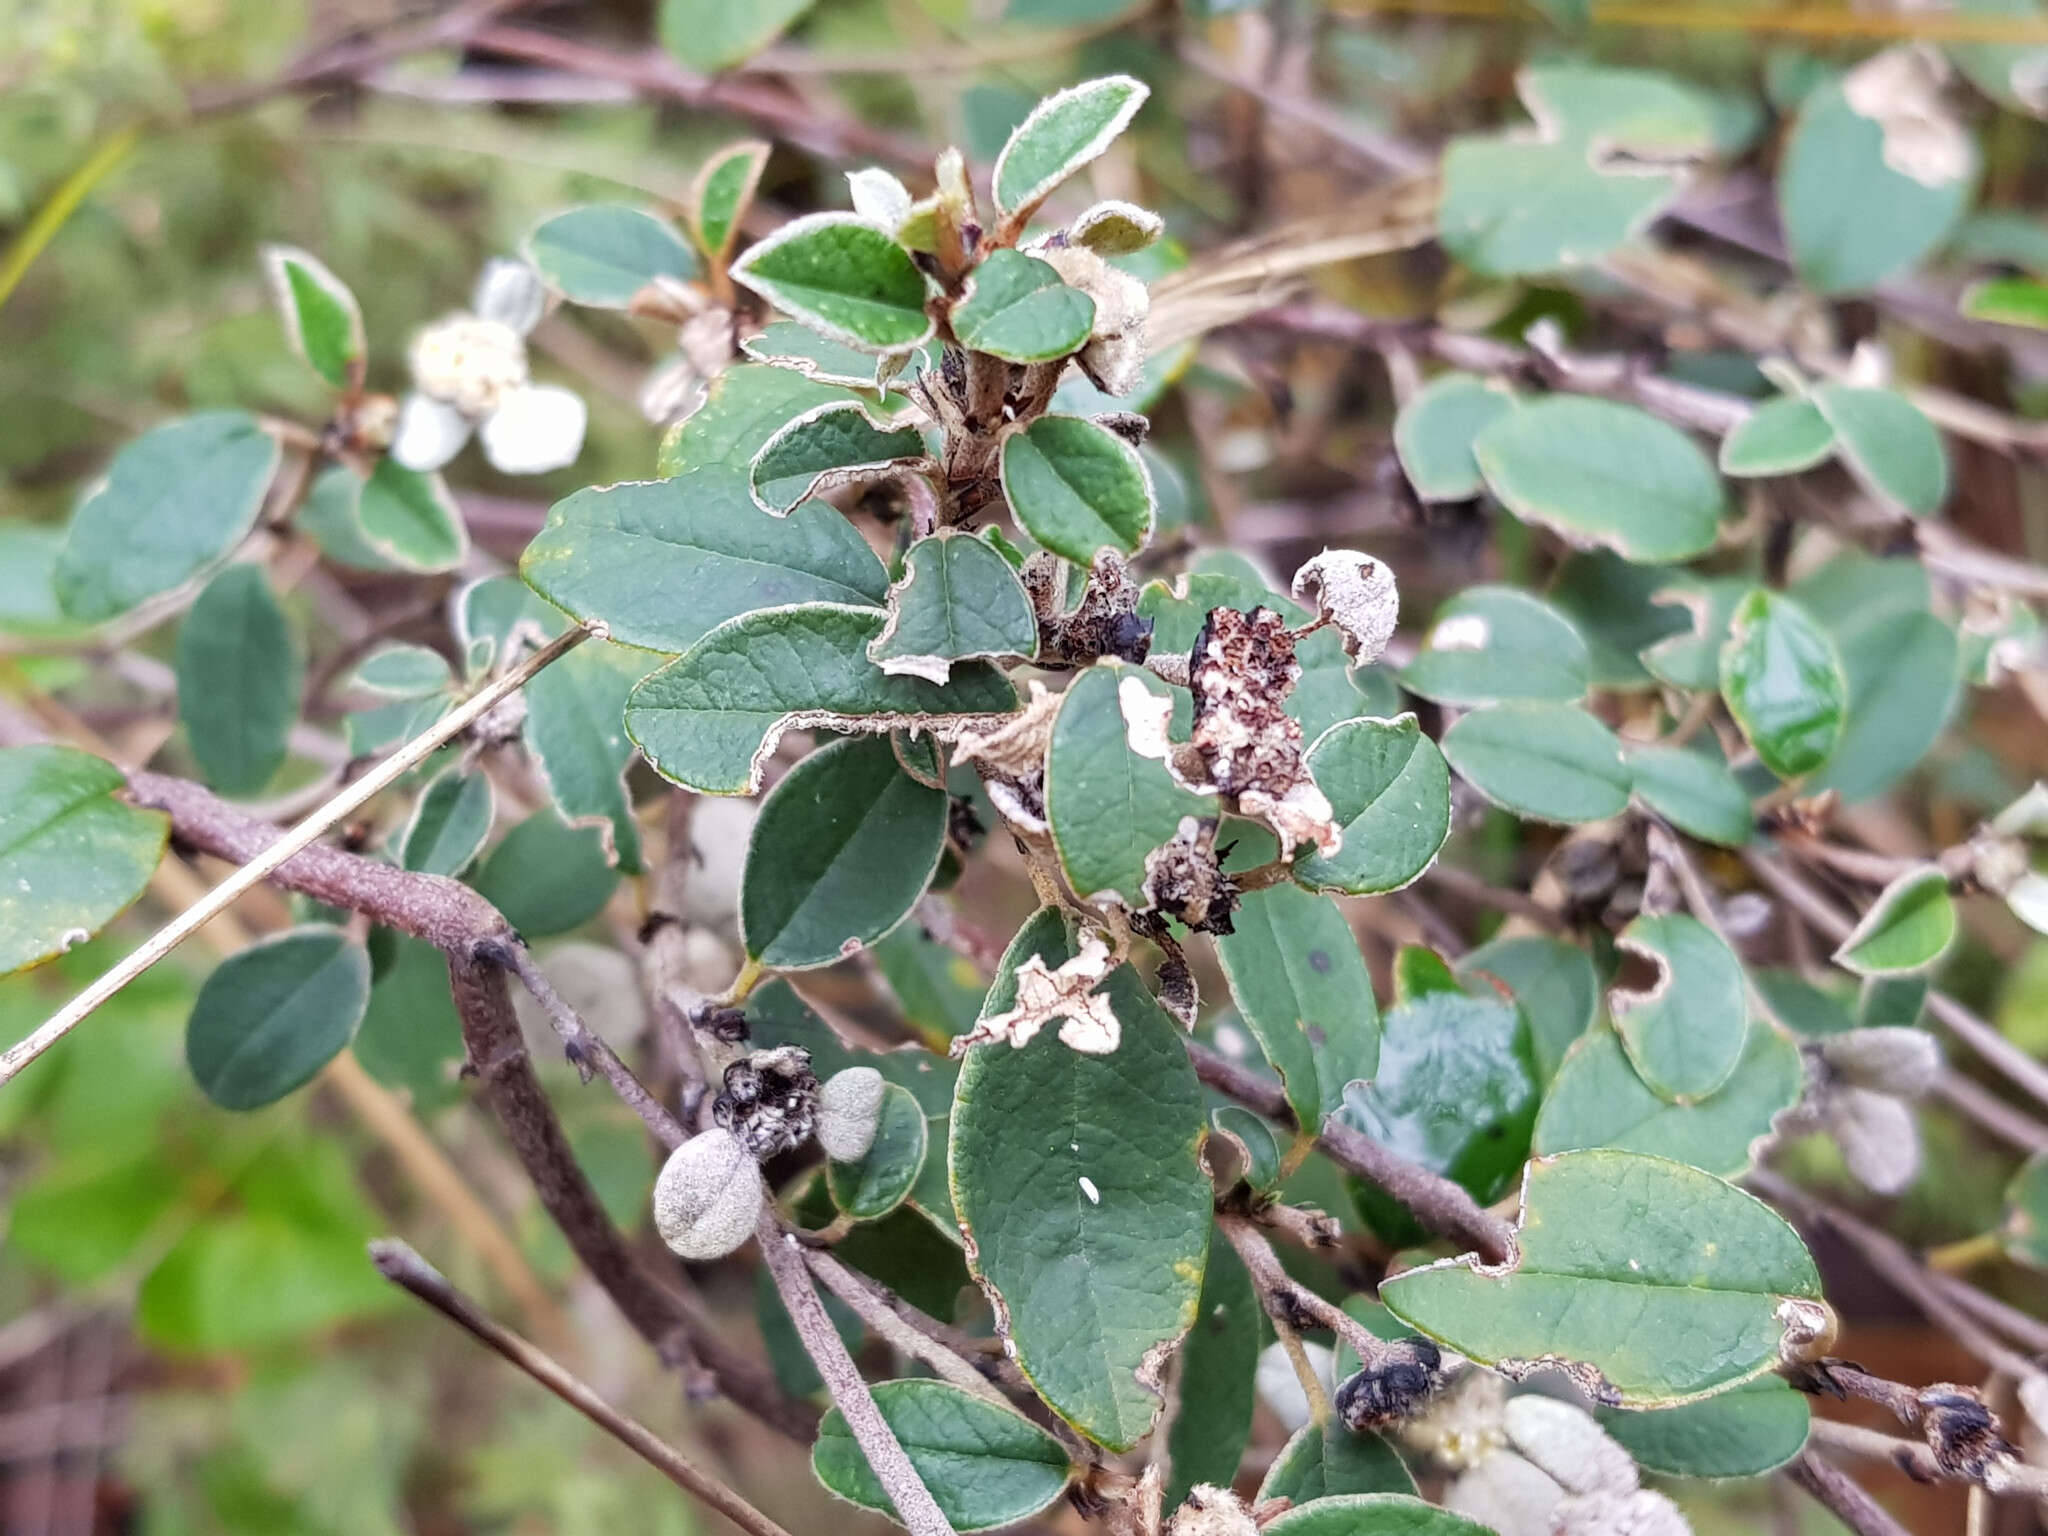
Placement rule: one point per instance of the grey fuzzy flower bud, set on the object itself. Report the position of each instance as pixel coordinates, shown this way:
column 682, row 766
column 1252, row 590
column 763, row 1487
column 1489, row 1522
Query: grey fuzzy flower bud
column 708, row 1196
column 849, row 1110
column 1898, row 1059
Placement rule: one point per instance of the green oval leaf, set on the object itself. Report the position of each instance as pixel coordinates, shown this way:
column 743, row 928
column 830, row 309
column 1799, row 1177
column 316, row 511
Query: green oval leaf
column 72, row 857
column 2020, row 301
column 1547, row 762
column 395, row 518
column 449, row 823
column 1371, row 1514
column 1908, row 928
column 1752, row 1430
column 1697, row 1269
column 1455, row 1092
column 1600, row 473
column 1620, row 610
column 957, row 600
column 1780, row 437
column 1890, row 445
column 1851, row 219
column 1390, row 792
column 1693, row 791
column 720, row 194
column 1784, row 684
column 985, row 1465
column 175, row 501
column 1903, row 666
column 604, row 254
column 1062, row 133
column 830, row 445
column 664, row 562
column 711, row 36
column 321, row 317
column 1079, row 1189
column 576, row 730
column 881, row 1180
column 1552, row 982
column 1108, row 807
column 1017, row 308
column 843, row 848
column 272, row 1016
column 400, row 672
column 1328, row 1461
column 1598, row 1100
column 1433, row 434
column 1302, row 989
column 2024, row 1232
column 744, row 407
column 710, row 718
column 1684, row 1031
column 1493, row 645
column 1583, row 182
column 1213, row 1391
column 1077, row 487
column 239, row 681
column 547, row 876
column 843, row 277
column 1690, row 658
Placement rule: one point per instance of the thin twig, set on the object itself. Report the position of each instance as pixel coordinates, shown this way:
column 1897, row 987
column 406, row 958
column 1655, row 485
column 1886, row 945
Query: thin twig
column 498, row 1057
column 1919, row 1462
column 1843, row 1496
column 877, row 1312
column 260, row 868
column 907, row 1493
column 1897, row 1264
column 1278, row 1288
column 1439, row 1204
column 398, row 1263
column 585, row 1047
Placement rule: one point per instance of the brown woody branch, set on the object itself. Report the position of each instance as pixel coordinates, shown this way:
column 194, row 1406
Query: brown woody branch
column 398, row 1263
column 477, row 939
column 1842, row 1496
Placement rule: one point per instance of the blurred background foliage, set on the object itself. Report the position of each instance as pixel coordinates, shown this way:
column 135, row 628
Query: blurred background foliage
column 190, row 1340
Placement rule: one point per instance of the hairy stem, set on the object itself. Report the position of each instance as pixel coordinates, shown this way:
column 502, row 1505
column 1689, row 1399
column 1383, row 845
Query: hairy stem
column 1842, row 1496
column 913, row 1501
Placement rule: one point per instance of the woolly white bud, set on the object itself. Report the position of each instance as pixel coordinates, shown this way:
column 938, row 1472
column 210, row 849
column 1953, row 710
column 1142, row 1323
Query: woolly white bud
column 1895, row 1058
column 708, row 1196
column 1568, row 1445
column 1637, row 1512
column 849, row 1110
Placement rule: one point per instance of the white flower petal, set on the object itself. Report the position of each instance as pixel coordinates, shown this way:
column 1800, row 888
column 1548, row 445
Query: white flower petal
column 1638, row 1512
column 535, row 429
column 511, row 293
column 1879, row 1138
column 430, row 432
column 879, row 198
column 1565, row 1442
column 1505, row 1494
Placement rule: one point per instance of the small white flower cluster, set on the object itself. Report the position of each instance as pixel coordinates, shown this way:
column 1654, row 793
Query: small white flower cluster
column 1535, row 1466
column 470, row 374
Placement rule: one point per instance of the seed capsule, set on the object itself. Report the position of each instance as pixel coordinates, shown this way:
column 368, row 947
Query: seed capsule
column 849, row 1110
column 708, row 1196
